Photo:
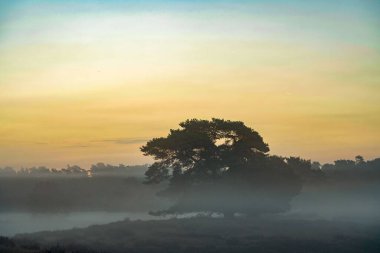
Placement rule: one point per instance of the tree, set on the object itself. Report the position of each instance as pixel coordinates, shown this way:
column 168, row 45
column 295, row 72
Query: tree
column 306, row 170
column 203, row 150
column 315, row 165
column 359, row 160
column 219, row 165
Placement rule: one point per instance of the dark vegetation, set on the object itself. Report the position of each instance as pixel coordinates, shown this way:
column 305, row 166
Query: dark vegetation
column 265, row 234
column 284, row 204
column 224, row 166
column 221, row 166
column 102, row 188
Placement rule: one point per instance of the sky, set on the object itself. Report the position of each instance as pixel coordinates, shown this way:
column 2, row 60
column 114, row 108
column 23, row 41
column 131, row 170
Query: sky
column 85, row 81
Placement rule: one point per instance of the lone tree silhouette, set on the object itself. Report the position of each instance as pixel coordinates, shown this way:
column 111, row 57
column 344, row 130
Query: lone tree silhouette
column 222, row 166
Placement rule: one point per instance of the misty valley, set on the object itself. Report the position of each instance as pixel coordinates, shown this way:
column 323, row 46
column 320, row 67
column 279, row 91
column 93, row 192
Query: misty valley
column 189, row 126
column 212, row 188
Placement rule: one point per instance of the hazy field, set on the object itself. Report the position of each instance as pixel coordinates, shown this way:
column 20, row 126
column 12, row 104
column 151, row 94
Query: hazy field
column 265, row 234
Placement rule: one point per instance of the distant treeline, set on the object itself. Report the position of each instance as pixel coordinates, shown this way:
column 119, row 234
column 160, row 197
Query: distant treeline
column 341, row 170
column 121, row 188
column 103, row 187
column 306, row 169
column 75, row 194
column 99, row 169
column 354, row 169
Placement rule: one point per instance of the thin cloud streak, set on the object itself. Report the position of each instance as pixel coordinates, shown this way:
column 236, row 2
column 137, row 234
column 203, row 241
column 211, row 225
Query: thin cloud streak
column 124, row 140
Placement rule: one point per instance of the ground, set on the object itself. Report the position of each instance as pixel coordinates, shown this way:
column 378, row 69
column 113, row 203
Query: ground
column 265, row 234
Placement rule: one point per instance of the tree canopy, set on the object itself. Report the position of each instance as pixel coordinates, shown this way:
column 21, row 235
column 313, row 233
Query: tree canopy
column 202, row 150
column 214, row 162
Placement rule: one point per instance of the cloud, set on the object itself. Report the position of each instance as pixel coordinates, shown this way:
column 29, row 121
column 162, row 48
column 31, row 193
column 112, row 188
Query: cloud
column 125, row 140
column 76, row 146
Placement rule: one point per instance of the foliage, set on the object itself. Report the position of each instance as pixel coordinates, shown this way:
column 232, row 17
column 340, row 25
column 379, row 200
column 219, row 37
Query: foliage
column 203, row 150
column 220, row 165
column 266, row 234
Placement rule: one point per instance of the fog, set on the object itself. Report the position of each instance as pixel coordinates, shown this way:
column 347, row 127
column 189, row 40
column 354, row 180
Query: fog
column 213, row 187
column 345, row 202
column 15, row 223
column 38, row 199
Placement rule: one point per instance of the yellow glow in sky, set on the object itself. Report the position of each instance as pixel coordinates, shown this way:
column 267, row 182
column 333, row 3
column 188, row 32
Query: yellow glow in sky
column 89, row 83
